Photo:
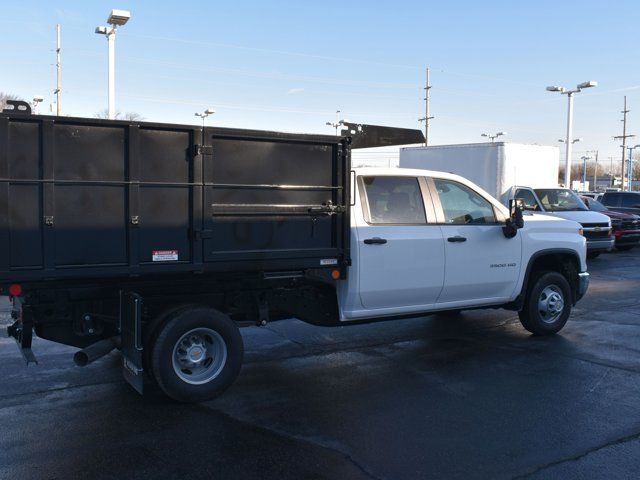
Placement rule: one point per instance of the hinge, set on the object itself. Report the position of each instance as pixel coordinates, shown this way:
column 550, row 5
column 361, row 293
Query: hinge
column 202, row 150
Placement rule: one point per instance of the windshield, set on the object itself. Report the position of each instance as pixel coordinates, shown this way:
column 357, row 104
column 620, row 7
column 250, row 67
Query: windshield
column 559, row 200
column 595, row 205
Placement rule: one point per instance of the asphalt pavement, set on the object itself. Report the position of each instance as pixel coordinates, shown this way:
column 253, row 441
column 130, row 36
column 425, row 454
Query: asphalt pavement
column 472, row 396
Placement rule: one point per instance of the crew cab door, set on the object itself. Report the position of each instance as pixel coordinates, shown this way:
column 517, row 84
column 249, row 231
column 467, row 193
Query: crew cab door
column 482, row 265
column 400, row 255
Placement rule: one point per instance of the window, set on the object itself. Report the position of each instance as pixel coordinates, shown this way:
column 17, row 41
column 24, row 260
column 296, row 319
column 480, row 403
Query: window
column 529, row 199
column 461, row 205
column 611, row 199
column 560, row 200
column 631, row 200
column 394, row 200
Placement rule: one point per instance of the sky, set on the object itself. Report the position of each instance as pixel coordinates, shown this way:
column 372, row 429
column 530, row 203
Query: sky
column 289, row 65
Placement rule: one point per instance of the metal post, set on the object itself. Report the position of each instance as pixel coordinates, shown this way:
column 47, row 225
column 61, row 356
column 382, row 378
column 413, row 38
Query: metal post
column 624, row 136
column 595, row 174
column 426, row 116
column 567, row 162
column 630, row 169
column 111, row 39
column 584, row 172
column 58, row 90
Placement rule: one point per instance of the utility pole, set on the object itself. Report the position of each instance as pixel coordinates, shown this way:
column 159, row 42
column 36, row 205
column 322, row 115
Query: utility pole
column 624, row 137
column 337, row 124
column 58, row 90
column 426, row 117
column 595, row 174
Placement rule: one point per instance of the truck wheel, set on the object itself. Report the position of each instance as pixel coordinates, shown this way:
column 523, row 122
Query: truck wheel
column 592, row 255
column 197, row 354
column 547, row 305
column 624, row 248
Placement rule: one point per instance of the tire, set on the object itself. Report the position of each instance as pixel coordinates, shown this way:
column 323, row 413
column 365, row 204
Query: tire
column 545, row 291
column 197, row 354
column 592, row 255
column 624, row 248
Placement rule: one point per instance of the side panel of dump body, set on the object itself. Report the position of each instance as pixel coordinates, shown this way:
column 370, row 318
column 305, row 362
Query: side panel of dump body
column 89, row 198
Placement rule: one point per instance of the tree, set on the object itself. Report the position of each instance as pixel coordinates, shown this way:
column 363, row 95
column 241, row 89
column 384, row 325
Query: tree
column 130, row 116
column 7, row 96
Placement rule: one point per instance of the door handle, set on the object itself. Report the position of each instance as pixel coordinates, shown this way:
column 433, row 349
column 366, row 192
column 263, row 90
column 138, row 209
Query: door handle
column 457, row 239
column 375, row 241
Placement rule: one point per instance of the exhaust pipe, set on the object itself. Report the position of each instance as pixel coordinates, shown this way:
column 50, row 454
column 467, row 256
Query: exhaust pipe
column 95, row 351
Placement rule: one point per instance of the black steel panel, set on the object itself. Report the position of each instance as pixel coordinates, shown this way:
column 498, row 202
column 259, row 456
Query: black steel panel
column 89, row 225
column 164, row 221
column 24, row 150
column 89, row 153
column 25, row 225
column 165, row 156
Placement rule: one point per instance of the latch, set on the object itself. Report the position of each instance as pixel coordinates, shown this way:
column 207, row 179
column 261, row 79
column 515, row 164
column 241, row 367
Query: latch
column 202, row 150
column 327, row 209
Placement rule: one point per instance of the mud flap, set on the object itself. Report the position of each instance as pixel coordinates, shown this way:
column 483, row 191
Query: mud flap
column 131, row 334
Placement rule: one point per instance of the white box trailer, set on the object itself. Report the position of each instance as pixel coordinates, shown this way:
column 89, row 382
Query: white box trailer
column 496, row 167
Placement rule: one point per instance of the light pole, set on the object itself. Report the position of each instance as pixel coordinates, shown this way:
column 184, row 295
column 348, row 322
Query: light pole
column 494, row 136
column 205, row 114
column 36, row 102
column 630, row 167
column 568, row 143
column 338, row 123
column 584, row 170
column 116, row 19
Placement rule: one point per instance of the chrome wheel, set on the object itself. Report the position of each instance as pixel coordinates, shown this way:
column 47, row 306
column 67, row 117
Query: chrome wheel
column 199, row 356
column 550, row 303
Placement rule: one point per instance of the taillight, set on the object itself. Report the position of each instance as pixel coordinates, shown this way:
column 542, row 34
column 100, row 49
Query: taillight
column 15, row 289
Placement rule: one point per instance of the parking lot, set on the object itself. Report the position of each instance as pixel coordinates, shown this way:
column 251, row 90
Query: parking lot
column 473, row 396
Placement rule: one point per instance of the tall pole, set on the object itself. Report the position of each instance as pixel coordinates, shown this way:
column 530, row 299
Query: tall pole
column 584, row 171
column 58, row 90
column 111, row 40
column 624, row 135
column 426, row 110
column 568, row 143
column 595, row 174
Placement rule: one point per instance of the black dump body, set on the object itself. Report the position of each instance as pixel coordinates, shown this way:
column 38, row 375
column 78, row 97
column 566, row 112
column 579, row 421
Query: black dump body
column 87, row 198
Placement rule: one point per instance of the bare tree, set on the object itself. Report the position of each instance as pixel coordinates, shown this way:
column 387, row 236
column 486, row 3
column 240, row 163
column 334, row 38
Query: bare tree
column 130, row 116
column 7, row 96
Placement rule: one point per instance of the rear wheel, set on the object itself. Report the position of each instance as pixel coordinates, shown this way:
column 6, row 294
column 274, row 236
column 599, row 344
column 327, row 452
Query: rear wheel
column 197, row 354
column 547, row 305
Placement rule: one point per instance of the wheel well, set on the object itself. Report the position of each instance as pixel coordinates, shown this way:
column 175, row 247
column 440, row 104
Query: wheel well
column 563, row 263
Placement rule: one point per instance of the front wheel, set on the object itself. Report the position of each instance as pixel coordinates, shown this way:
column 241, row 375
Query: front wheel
column 197, row 354
column 547, row 305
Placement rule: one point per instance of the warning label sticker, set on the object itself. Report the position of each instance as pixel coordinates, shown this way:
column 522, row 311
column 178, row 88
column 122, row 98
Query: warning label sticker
column 164, row 255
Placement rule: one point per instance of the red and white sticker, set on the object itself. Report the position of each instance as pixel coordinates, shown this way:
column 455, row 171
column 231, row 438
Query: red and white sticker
column 164, row 255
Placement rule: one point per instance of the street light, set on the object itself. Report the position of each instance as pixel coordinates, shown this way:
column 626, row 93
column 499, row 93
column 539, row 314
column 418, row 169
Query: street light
column 584, row 170
column 116, row 19
column 494, row 136
column 36, row 101
column 337, row 124
column 630, row 166
column 568, row 143
column 575, row 140
column 205, row 114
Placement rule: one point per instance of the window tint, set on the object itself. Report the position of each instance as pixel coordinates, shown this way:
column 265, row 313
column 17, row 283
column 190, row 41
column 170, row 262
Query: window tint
column 394, row 200
column 630, row 200
column 529, row 199
column 462, row 205
column 611, row 199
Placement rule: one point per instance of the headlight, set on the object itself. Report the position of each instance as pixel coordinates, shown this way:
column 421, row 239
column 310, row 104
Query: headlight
column 580, row 231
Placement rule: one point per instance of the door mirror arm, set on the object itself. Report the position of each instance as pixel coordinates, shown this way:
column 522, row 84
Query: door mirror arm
column 515, row 220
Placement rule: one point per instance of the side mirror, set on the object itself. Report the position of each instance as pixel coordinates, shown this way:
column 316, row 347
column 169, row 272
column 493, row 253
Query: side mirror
column 515, row 220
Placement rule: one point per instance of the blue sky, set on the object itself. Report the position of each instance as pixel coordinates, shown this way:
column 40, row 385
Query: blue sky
column 289, row 65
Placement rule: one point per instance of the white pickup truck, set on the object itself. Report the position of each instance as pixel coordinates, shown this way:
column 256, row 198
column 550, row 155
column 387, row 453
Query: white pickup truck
column 427, row 241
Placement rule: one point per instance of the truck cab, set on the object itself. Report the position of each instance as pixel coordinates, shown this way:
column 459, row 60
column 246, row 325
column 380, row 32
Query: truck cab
column 424, row 241
column 564, row 203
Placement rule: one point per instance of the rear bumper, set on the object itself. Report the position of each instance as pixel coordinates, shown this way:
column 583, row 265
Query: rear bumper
column 600, row 245
column 583, row 285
